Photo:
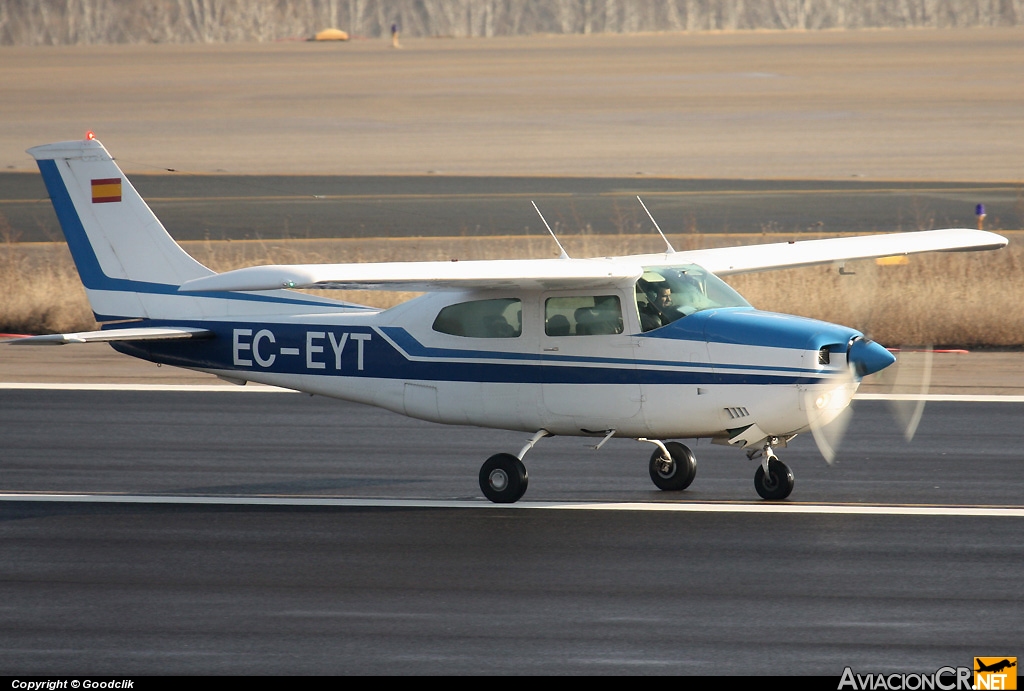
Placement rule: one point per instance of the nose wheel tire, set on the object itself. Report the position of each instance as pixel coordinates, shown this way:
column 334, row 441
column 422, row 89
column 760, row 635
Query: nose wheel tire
column 777, row 483
column 677, row 474
column 503, row 478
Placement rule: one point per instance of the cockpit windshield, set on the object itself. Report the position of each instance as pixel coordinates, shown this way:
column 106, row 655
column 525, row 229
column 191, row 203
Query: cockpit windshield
column 667, row 293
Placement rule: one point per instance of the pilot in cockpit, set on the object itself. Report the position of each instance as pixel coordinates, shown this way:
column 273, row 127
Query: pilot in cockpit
column 664, row 297
column 657, row 310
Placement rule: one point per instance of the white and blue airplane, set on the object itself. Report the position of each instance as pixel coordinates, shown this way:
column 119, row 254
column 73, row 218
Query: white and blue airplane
column 652, row 347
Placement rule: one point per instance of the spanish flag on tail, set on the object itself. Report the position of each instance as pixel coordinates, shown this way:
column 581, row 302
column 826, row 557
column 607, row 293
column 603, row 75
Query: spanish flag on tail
column 106, row 190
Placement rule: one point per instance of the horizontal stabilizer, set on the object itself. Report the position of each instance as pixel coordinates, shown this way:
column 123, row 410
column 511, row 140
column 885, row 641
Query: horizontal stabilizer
column 108, row 335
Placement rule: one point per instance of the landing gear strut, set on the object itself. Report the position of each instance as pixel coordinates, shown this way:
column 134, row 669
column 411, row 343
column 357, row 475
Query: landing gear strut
column 773, row 479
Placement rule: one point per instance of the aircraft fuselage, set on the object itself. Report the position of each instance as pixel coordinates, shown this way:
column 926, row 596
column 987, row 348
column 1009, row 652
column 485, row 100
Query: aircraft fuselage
column 708, row 374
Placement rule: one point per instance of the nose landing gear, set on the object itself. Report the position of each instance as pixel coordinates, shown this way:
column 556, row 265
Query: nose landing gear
column 773, row 479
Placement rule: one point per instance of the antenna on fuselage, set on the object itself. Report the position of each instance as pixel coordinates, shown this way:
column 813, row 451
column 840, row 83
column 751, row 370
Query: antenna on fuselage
column 671, row 249
column 564, row 255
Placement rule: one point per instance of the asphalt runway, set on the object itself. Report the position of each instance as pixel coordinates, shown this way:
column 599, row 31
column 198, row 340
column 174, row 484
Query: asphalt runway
column 472, row 588
column 232, row 441
column 225, row 207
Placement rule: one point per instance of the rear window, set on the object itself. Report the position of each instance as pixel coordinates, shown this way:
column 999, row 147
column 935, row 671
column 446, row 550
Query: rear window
column 496, row 318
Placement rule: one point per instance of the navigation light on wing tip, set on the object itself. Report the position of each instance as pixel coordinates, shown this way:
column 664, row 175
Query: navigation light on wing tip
column 90, row 135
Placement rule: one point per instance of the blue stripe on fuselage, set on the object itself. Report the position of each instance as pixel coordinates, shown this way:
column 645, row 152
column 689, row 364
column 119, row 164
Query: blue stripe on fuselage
column 359, row 351
column 413, row 348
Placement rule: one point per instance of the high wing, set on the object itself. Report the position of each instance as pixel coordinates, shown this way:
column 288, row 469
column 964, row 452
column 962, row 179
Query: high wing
column 725, row 261
column 115, row 334
column 426, row 276
column 585, row 273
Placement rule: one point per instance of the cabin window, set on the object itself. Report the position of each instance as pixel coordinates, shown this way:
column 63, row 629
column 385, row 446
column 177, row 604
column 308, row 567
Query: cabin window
column 583, row 315
column 667, row 293
column 498, row 318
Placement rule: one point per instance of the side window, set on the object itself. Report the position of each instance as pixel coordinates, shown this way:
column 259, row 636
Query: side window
column 500, row 318
column 583, row 315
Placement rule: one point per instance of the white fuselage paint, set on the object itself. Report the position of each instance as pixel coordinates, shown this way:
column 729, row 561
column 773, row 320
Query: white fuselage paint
column 640, row 385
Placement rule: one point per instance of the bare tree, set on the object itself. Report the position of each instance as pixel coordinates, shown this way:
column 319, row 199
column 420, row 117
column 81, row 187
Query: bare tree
column 34, row 22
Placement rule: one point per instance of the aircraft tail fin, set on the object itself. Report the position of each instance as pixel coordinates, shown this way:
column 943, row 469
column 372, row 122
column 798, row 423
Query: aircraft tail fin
column 123, row 253
column 130, row 266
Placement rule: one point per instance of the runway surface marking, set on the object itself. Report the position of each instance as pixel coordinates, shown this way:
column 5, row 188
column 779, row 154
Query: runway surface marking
column 696, row 507
column 261, row 388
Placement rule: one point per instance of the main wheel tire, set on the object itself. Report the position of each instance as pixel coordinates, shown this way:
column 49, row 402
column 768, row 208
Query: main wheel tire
column 681, row 472
column 503, row 478
column 777, row 484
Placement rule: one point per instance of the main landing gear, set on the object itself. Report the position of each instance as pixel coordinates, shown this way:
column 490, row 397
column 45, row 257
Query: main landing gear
column 673, row 466
column 503, row 477
column 773, row 479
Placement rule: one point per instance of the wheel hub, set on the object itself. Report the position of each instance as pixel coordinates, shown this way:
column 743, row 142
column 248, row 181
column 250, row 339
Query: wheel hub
column 498, row 480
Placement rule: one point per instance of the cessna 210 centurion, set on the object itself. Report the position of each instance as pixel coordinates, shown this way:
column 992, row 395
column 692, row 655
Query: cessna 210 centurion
column 652, row 347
